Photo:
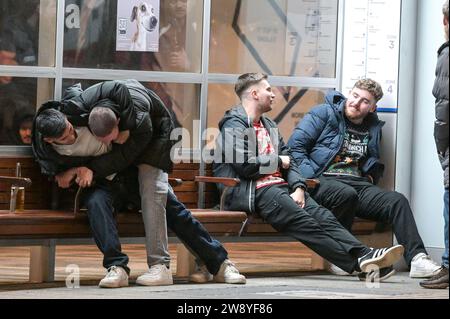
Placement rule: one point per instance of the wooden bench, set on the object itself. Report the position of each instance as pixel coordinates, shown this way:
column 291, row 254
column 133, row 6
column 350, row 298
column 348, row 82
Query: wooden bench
column 42, row 225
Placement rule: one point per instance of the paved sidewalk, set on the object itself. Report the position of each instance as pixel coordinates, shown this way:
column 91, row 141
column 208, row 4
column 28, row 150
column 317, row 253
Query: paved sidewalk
column 302, row 286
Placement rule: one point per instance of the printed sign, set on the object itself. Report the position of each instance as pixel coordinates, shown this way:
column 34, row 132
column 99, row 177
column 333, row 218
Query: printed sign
column 371, row 47
column 138, row 25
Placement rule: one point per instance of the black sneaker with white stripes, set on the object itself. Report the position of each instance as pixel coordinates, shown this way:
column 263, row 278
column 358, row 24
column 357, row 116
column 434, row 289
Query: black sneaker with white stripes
column 380, row 258
column 377, row 276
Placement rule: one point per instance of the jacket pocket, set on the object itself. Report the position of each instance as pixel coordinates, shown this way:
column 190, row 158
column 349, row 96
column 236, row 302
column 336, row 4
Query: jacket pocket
column 441, row 136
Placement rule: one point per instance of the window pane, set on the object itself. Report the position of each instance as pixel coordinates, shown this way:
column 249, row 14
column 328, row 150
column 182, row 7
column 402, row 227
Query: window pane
column 182, row 100
column 90, row 37
column 277, row 37
column 18, row 103
column 27, row 32
column 291, row 105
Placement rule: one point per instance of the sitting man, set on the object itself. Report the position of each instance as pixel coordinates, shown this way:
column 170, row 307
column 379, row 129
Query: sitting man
column 339, row 143
column 250, row 148
column 71, row 152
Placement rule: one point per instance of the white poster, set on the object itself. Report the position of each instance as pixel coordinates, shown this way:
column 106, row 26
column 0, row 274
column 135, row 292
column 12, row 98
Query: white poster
column 371, row 47
column 138, row 25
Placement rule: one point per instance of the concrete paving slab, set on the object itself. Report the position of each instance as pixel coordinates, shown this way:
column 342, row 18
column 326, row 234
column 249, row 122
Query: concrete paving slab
column 302, row 286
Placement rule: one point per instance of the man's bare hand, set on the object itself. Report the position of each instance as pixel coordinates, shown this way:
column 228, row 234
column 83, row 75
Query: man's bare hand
column 84, row 177
column 65, row 179
column 285, row 162
column 122, row 137
column 299, row 197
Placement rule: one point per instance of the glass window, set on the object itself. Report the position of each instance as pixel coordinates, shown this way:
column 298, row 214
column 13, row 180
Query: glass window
column 182, row 100
column 27, row 32
column 90, row 37
column 277, row 37
column 18, row 103
column 291, row 105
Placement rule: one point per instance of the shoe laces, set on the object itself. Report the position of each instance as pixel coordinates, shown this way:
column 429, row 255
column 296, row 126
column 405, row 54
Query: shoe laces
column 422, row 258
column 230, row 267
column 156, row 270
column 113, row 272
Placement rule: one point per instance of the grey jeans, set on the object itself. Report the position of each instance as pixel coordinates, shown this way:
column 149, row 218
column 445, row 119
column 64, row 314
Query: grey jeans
column 153, row 187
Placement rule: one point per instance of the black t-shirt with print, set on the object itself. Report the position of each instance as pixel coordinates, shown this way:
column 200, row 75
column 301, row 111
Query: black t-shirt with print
column 353, row 152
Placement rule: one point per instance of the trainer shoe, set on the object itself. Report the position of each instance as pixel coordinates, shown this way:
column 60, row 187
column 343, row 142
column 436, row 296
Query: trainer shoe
column 115, row 278
column 377, row 276
column 422, row 266
column 383, row 257
column 157, row 275
column 201, row 276
column 438, row 281
column 335, row 270
column 229, row 274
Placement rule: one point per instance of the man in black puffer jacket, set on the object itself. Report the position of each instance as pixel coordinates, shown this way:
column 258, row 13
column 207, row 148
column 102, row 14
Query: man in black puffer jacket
column 441, row 93
column 99, row 133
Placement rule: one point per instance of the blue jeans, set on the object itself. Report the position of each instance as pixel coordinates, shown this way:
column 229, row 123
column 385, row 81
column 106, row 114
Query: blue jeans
column 192, row 233
column 106, row 195
column 99, row 202
column 445, row 256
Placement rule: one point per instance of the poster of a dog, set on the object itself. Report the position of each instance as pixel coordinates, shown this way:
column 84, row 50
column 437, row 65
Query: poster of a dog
column 138, row 25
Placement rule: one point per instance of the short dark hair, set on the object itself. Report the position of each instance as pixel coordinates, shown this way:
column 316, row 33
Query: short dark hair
column 102, row 121
column 247, row 80
column 51, row 123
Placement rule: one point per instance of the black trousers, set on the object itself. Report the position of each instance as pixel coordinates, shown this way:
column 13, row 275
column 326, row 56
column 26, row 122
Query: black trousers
column 348, row 197
column 314, row 226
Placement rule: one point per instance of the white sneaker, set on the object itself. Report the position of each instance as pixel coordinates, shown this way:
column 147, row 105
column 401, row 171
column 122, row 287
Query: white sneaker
column 335, row 270
column 201, row 276
column 422, row 266
column 115, row 278
column 157, row 275
column 229, row 274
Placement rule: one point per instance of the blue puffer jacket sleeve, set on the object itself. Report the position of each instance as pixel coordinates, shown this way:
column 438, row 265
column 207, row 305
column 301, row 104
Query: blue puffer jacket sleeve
column 305, row 137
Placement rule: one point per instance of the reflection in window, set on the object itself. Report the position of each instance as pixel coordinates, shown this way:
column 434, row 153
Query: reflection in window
column 90, row 37
column 27, row 32
column 18, row 103
column 281, row 37
column 290, row 106
column 182, row 100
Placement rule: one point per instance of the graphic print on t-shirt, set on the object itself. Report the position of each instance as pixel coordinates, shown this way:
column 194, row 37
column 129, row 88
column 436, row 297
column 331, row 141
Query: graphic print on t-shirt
column 353, row 152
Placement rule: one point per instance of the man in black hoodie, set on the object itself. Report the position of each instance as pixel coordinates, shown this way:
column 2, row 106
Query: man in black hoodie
column 135, row 145
column 250, row 148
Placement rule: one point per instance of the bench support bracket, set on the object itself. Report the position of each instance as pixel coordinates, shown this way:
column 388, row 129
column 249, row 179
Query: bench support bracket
column 42, row 263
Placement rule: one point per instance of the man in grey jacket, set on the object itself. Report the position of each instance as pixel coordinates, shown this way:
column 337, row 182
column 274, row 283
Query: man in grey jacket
column 440, row 92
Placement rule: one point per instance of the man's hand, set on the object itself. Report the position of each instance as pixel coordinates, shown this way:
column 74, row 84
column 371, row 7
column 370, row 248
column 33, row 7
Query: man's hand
column 84, row 177
column 285, row 162
column 65, row 179
column 122, row 137
column 299, row 197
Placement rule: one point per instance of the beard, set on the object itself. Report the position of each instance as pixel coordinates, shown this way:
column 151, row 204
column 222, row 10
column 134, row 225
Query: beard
column 354, row 117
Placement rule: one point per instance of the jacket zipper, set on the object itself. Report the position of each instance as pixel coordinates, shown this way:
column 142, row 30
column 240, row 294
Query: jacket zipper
column 251, row 182
column 341, row 137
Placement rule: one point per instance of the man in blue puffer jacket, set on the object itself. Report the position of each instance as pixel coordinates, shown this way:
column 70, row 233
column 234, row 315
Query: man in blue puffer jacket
column 339, row 143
